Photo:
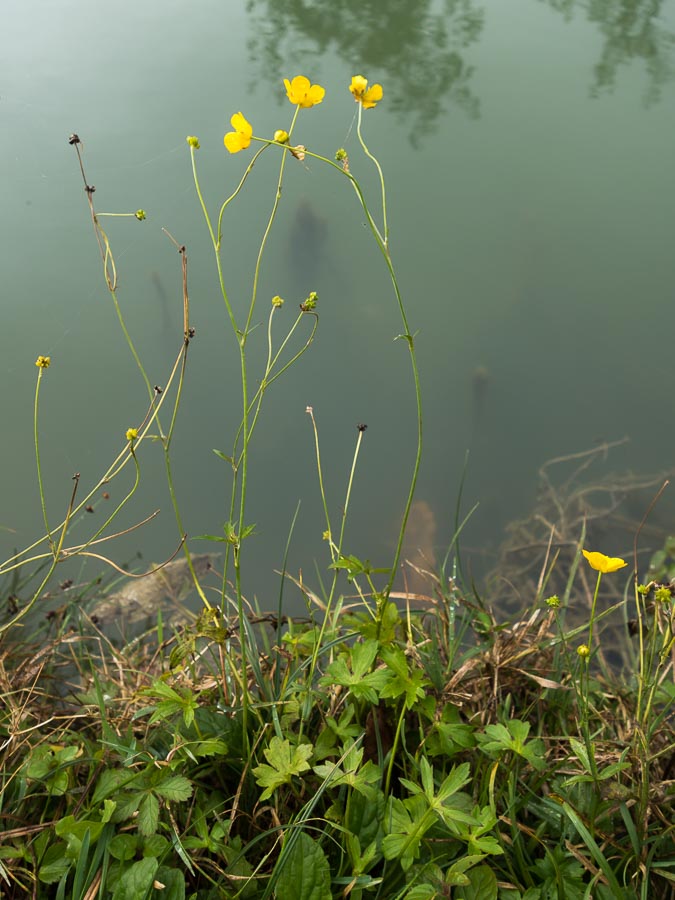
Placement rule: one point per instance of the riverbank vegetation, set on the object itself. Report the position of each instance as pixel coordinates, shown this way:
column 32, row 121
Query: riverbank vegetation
column 379, row 744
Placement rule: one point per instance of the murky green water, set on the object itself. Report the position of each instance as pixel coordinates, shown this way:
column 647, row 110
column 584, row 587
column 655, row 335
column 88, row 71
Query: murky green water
column 528, row 150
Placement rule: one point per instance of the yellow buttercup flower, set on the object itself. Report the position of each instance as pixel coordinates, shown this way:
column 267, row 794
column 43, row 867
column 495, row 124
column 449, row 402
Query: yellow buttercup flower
column 43, row 362
column 602, row 563
column 302, row 93
column 367, row 97
column 240, row 138
column 281, row 137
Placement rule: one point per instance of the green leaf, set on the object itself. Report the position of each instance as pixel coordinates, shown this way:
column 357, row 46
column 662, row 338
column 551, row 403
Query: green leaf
column 411, row 683
column 355, row 566
column 148, row 815
column 210, row 747
column 365, row 816
column 55, row 864
column 285, row 762
column 228, row 459
column 174, row 884
column 305, row 874
column 357, row 676
column 498, row 739
column 384, row 627
column 482, row 885
column 123, row 846
column 351, row 773
column 174, row 788
column 422, row 892
column 111, row 781
column 407, row 824
column 155, row 845
column 136, row 881
column 108, row 810
column 74, row 833
column 161, row 689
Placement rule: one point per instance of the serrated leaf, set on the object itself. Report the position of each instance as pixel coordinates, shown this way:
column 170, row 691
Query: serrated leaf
column 210, row 747
column 174, row 788
column 285, row 761
column 111, row 781
column 148, row 815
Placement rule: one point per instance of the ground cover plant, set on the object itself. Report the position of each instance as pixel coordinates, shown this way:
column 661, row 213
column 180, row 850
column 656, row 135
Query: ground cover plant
column 372, row 747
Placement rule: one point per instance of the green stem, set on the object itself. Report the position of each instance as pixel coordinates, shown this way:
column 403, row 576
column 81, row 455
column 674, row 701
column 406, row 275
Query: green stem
column 382, row 243
column 36, row 440
column 375, row 161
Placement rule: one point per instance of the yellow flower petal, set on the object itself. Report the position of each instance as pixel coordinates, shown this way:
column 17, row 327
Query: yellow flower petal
column 358, row 86
column 240, row 138
column 368, row 97
column 372, row 96
column 240, row 124
column 602, row 563
column 302, row 93
column 232, row 141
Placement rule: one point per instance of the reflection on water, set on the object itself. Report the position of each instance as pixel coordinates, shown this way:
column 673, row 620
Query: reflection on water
column 307, row 239
column 419, row 53
column 418, row 551
column 632, row 30
column 415, row 50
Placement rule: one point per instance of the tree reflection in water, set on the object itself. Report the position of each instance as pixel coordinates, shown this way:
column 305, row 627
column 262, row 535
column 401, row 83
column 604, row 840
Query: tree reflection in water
column 414, row 51
column 632, row 30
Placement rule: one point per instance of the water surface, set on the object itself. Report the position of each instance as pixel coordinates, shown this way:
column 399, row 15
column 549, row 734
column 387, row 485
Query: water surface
column 528, row 153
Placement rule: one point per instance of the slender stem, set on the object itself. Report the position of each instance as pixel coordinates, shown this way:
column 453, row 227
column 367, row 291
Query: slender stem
column 382, row 243
column 349, row 489
column 322, row 490
column 36, row 439
column 593, row 605
column 385, row 226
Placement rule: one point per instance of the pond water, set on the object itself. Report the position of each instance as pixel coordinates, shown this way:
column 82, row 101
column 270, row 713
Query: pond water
column 528, row 152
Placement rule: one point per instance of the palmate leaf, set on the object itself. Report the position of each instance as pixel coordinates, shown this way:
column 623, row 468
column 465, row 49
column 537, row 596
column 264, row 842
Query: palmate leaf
column 351, row 773
column 407, row 824
column 513, row 736
column 402, row 680
column 285, row 762
column 359, row 679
